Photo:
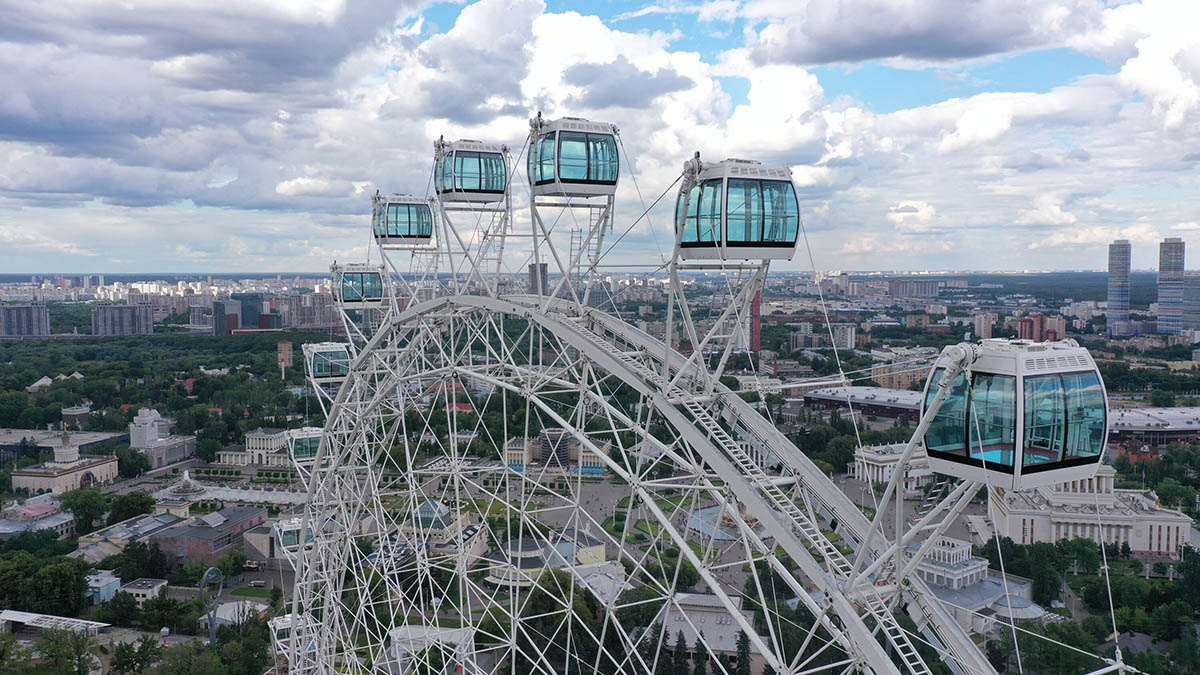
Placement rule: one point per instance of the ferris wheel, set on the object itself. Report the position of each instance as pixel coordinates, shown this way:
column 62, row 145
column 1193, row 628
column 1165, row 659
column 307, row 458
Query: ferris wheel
column 519, row 480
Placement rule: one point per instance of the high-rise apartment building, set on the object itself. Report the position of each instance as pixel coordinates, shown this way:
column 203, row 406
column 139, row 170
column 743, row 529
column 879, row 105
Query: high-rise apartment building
column 983, row 325
column 913, row 289
column 1170, row 286
column 108, row 320
column 844, row 335
column 24, row 320
column 1118, row 288
column 227, row 315
column 1191, row 301
column 539, row 281
column 251, row 308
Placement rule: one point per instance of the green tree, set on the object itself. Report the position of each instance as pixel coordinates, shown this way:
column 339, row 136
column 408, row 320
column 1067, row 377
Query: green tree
column 231, row 564
column 139, row 560
column 125, row 658
column 679, row 655
column 1049, row 658
column 700, row 656
column 207, row 449
column 742, row 666
column 276, row 597
column 129, row 505
column 162, row 611
column 14, row 657
column 122, row 610
column 1161, row 398
column 1189, row 577
column 54, row 648
column 80, row 646
column 131, row 463
column 87, row 505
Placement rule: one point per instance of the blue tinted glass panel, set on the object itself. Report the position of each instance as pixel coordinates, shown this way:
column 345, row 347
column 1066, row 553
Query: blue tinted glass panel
column 359, row 286
column 331, row 364
column 351, row 287
column 420, row 220
column 372, row 286
column 572, row 156
column 1085, row 415
column 781, row 212
column 467, row 170
column 377, row 217
column 689, row 224
column 992, row 419
column 947, row 432
column 446, row 173
column 1045, row 420
column 546, row 158
column 397, row 220
column 744, row 220
column 493, row 172
column 602, row 158
column 708, row 212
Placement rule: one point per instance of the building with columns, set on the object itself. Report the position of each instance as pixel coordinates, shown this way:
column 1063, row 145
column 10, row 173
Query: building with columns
column 876, row 463
column 1091, row 508
column 974, row 595
column 67, row 471
column 268, row 447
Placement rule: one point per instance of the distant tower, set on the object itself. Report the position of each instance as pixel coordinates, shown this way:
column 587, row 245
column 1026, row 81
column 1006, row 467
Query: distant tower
column 1170, row 286
column 1191, row 301
column 1118, row 288
column 539, row 284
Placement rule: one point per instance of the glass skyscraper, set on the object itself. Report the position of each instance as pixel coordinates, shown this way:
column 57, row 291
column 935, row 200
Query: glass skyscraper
column 1118, row 288
column 1170, row 286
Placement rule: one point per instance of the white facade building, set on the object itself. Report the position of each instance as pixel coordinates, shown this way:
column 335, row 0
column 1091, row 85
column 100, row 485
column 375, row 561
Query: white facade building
column 1091, row 508
column 876, row 464
column 269, row 447
column 150, row 434
column 974, row 595
column 950, row 563
column 144, row 589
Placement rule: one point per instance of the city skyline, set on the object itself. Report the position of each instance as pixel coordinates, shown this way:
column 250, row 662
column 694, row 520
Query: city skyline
column 1022, row 137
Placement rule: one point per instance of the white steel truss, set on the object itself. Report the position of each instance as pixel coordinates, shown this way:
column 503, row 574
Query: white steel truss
column 524, row 483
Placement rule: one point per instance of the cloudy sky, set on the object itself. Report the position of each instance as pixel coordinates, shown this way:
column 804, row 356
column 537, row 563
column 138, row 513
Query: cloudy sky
column 191, row 135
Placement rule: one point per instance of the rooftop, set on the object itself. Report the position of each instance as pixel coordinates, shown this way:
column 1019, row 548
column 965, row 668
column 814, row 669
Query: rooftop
column 53, row 437
column 10, row 527
column 136, row 527
column 144, row 584
column 1154, row 419
column 44, row 621
column 896, row 398
column 213, row 525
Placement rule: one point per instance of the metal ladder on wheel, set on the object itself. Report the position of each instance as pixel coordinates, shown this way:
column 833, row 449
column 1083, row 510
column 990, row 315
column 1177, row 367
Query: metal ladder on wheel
column 836, row 562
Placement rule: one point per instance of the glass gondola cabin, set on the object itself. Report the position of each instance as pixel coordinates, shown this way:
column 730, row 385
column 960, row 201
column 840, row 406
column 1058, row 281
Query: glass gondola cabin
column 359, row 286
column 401, row 221
column 470, row 171
column 1024, row 414
column 739, row 210
column 327, row 360
column 304, row 444
column 573, row 157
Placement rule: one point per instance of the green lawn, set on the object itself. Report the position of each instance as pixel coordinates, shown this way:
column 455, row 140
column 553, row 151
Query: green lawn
column 252, row 592
column 649, row 527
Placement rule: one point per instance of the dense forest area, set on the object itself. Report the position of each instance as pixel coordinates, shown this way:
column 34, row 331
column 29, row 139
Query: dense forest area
column 146, row 370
